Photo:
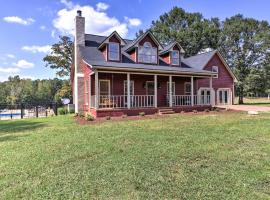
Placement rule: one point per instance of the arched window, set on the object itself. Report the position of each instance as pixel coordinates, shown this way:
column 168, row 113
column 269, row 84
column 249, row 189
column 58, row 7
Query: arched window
column 215, row 69
column 147, row 53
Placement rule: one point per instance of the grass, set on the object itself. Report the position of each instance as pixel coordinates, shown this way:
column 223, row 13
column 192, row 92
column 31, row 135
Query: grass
column 256, row 101
column 214, row 156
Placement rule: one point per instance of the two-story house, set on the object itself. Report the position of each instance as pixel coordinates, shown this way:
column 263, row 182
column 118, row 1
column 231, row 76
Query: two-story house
column 116, row 76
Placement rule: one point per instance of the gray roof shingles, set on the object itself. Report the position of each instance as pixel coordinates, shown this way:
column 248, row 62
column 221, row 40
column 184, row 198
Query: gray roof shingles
column 92, row 56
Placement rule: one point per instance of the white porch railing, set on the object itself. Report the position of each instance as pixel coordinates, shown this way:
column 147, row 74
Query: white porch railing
column 142, row 101
column 146, row 101
column 120, row 101
column 185, row 100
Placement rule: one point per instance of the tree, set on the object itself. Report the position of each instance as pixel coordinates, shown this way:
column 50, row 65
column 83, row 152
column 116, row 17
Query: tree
column 60, row 57
column 245, row 45
column 191, row 30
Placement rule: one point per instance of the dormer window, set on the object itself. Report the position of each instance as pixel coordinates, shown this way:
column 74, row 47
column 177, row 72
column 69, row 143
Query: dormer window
column 175, row 57
column 147, row 53
column 113, row 52
column 215, row 69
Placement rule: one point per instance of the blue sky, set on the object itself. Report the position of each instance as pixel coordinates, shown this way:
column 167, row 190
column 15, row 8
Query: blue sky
column 27, row 30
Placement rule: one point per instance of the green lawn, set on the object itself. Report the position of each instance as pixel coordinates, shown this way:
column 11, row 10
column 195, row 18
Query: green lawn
column 255, row 101
column 215, row 156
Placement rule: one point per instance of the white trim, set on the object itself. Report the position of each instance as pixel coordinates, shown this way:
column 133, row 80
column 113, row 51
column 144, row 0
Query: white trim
column 185, row 88
column 150, row 72
column 229, row 98
column 168, row 86
column 90, row 90
column 131, row 82
column 109, row 85
column 170, row 92
column 118, row 58
column 81, row 75
column 212, row 92
column 96, row 90
column 216, row 71
column 128, row 90
column 146, row 88
column 171, row 58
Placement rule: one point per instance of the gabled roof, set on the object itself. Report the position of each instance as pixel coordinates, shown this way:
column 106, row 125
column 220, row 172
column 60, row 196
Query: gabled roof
column 200, row 61
column 106, row 41
column 169, row 48
column 135, row 42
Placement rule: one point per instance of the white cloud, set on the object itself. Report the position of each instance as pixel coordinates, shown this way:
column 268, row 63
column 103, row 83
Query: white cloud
column 9, row 69
column 133, row 21
column 37, row 49
column 10, row 56
column 18, row 20
column 97, row 22
column 24, row 64
column 42, row 28
column 53, row 33
column 102, row 6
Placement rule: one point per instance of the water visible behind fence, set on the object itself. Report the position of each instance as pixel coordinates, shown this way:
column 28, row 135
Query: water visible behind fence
column 20, row 111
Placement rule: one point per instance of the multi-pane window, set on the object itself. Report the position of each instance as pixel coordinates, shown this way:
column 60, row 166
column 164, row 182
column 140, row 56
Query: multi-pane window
column 215, row 69
column 187, row 88
column 175, row 57
column 147, row 53
column 113, row 51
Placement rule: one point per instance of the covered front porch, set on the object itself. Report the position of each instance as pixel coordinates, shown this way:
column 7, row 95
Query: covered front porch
column 115, row 91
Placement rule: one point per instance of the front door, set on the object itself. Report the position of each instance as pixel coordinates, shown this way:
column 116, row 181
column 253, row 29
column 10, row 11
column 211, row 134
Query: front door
column 150, row 91
column 224, row 96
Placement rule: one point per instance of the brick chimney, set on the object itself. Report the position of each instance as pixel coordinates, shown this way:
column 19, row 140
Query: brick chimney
column 78, row 71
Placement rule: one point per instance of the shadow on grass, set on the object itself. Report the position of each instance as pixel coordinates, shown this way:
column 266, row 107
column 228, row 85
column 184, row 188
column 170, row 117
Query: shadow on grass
column 258, row 104
column 9, row 126
column 7, row 138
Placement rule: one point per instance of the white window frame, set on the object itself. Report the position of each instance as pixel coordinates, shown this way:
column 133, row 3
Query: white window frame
column 185, row 89
column 173, row 88
column 144, row 53
column 118, row 53
column 172, row 58
column 215, row 69
column 229, row 96
column 131, row 83
column 109, row 86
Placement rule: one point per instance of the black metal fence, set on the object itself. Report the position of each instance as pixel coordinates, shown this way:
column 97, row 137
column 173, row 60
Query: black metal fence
column 20, row 111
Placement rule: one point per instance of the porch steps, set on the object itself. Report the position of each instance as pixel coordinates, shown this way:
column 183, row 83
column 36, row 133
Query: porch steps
column 165, row 111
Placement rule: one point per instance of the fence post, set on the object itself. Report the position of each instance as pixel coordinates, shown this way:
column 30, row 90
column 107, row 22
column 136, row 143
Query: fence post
column 36, row 111
column 21, row 111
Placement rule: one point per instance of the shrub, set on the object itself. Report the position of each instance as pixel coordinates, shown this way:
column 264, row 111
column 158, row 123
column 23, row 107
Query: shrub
column 62, row 111
column 217, row 109
column 206, row 110
column 124, row 116
column 142, row 114
column 76, row 115
column 81, row 114
column 194, row 111
column 108, row 117
column 182, row 112
column 89, row 117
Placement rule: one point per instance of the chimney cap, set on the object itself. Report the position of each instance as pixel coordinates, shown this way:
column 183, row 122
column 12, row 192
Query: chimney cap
column 79, row 13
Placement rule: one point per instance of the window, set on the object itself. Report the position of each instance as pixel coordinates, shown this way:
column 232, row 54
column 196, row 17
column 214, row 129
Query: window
column 168, row 88
column 175, row 57
column 215, row 69
column 113, row 51
column 104, row 87
column 147, row 53
column 187, row 88
column 131, row 88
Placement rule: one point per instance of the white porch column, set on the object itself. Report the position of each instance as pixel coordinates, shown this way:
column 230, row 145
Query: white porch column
column 170, row 91
column 89, row 92
column 192, row 91
column 155, row 85
column 212, row 100
column 128, row 90
column 96, row 90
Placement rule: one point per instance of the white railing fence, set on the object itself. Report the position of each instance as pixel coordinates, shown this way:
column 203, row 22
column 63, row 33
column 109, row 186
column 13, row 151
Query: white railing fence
column 120, row 101
column 146, row 101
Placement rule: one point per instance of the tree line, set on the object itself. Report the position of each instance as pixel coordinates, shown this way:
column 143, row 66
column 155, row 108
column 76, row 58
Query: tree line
column 16, row 91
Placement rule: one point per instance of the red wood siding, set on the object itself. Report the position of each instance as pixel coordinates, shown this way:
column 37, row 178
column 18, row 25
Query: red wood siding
column 224, row 79
column 114, row 39
column 104, row 52
column 147, row 38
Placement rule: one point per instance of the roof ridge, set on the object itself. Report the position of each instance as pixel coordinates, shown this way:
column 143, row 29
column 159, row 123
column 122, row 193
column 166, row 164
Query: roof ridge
column 105, row 36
